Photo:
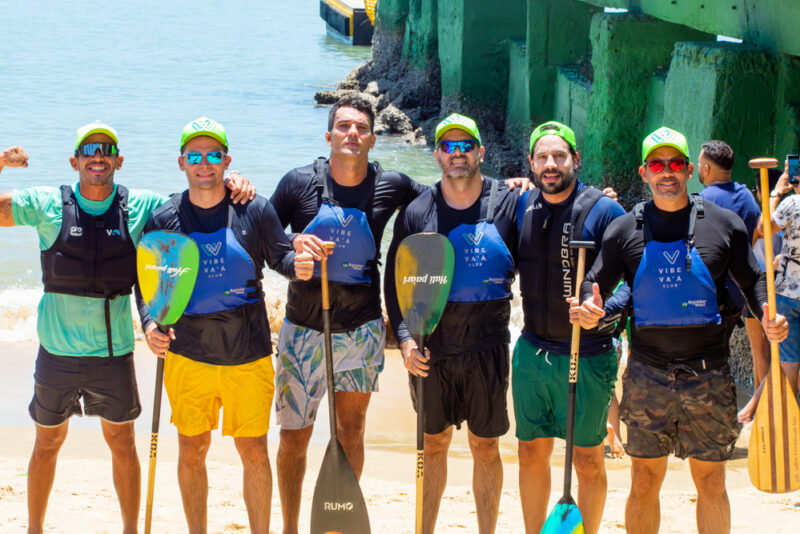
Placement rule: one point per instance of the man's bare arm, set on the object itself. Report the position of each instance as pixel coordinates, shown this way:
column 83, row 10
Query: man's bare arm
column 6, row 218
column 13, row 157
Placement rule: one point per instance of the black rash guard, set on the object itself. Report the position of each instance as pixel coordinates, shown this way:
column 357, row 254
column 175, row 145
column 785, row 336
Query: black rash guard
column 297, row 200
column 243, row 334
column 720, row 239
column 464, row 326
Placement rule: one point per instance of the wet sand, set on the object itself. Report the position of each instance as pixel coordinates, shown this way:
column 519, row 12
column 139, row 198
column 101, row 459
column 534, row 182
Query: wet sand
column 83, row 498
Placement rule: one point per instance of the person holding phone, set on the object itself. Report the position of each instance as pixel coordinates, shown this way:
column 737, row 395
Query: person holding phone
column 786, row 216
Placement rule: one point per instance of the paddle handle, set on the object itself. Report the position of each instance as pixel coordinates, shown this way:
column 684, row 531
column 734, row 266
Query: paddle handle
column 151, row 472
column 573, row 369
column 326, row 328
column 419, row 394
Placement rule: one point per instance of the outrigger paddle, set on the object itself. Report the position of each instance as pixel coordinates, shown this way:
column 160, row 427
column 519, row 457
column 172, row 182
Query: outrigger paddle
column 338, row 505
column 773, row 457
column 423, row 275
column 565, row 518
column 167, row 265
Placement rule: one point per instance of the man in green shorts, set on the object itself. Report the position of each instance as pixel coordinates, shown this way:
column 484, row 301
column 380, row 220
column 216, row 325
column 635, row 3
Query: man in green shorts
column 87, row 236
column 559, row 210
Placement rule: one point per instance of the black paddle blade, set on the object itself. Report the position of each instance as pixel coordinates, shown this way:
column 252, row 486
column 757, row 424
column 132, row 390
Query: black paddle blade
column 423, row 275
column 338, row 506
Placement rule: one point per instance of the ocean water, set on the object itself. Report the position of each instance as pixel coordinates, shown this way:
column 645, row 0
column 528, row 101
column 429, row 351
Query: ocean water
column 147, row 68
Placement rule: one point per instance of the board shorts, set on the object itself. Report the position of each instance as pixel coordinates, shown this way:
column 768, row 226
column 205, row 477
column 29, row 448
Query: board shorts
column 106, row 385
column 789, row 348
column 469, row 387
column 540, row 389
column 690, row 413
column 198, row 390
column 300, row 371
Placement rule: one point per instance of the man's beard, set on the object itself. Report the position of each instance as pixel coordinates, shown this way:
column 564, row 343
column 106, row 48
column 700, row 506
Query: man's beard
column 553, row 189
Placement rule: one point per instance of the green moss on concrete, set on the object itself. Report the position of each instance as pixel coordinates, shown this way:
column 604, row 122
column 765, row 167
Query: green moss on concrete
column 627, row 51
column 787, row 109
column 421, row 35
column 391, row 16
column 518, row 109
column 654, row 117
column 769, row 23
column 572, row 96
column 723, row 91
column 473, row 48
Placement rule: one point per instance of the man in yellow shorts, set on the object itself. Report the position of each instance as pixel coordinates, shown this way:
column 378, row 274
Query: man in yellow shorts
column 217, row 355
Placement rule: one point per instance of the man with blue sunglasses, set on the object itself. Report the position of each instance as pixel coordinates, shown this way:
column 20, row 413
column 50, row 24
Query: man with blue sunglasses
column 467, row 367
column 218, row 353
column 88, row 233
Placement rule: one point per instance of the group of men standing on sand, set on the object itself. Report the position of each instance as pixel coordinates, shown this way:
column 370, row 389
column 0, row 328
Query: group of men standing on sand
column 673, row 252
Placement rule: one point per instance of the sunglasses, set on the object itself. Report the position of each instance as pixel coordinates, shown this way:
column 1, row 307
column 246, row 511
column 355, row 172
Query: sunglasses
column 450, row 146
column 90, row 149
column 658, row 165
column 195, row 158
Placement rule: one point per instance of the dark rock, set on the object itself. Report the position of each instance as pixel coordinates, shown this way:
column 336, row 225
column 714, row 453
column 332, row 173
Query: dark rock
column 391, row 120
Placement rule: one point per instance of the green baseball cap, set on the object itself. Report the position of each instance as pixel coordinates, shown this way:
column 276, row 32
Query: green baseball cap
column 93, row 128
column 664, row 137
column 457, row 122
column 204, row 126
column 553, row 128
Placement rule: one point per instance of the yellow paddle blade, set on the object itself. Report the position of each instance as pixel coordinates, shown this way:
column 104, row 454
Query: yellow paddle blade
column 369, row 6
column 773, row 459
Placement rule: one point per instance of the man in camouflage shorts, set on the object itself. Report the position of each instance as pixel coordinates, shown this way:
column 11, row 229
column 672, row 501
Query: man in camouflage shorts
column 678, row 395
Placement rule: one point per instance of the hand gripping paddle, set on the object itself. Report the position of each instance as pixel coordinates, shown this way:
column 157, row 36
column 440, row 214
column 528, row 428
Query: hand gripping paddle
column 166, row 265
column 338, row 505
column 565, row 518
column 773, row 457
column 423, row 275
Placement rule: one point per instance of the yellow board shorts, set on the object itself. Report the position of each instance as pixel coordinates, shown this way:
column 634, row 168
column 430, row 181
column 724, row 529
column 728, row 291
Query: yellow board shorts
column 198, row 390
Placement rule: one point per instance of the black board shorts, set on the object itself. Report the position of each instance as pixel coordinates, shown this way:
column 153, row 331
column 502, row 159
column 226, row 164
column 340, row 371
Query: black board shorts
column 107, row 386
column 469, row 387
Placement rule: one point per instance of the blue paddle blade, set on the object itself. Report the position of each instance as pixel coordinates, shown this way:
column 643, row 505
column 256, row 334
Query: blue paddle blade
column 564, row 519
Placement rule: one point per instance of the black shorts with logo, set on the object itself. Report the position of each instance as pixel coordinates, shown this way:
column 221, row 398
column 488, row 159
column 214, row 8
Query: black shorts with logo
column 107, row 385
column 689, row 412
column 469, row 387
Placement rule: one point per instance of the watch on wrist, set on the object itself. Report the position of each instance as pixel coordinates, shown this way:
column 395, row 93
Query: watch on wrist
column 775, row 194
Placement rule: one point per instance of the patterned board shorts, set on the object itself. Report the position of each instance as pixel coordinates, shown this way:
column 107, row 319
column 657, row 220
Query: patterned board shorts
column 300, row 380
column 682, row 411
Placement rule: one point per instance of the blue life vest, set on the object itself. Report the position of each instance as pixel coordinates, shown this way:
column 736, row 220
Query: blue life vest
column 673, row 286
column 227, row 277
column 484, row 268
column 355, row 252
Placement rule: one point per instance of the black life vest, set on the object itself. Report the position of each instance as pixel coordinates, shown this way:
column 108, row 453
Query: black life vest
column 547, row 265
column 93, row 256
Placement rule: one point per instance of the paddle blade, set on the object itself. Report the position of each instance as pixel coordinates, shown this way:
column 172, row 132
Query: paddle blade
column 773, row 458
column 423, row 275
column 338, row 505
column 167, row 265
column 564, row 519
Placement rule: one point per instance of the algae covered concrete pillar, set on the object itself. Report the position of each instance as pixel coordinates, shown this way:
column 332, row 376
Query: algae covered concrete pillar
column 723, row 91
column 391, row 16
column 421, row 37
column 787, row 119
column 473, row 50
column 627, row 51
column 557, row 34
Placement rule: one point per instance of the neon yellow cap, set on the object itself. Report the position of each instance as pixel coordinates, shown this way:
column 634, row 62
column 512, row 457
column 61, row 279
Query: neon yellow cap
column 457, row 122
column 664, row 137
column 93, row 128
column 553, row 128
column 204, row 126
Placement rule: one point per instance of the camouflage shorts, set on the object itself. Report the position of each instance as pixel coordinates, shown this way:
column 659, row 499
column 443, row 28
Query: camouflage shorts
column 681, row 411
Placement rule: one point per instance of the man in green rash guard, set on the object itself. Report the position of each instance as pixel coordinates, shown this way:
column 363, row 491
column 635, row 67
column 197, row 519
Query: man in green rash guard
column 88, row 233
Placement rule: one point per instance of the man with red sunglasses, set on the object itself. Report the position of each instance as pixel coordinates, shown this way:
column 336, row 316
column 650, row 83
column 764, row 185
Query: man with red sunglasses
column 88, row 233
column 678, row 394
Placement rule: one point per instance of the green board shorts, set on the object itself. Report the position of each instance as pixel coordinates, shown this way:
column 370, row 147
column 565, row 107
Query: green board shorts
column 540, row 387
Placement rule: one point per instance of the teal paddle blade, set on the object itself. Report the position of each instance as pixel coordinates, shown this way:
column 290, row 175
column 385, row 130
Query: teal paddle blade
column 565, row 518
column 423, row 275
column 167, row 264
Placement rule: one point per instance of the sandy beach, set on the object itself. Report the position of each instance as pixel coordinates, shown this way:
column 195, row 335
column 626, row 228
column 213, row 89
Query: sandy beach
column 83, row 498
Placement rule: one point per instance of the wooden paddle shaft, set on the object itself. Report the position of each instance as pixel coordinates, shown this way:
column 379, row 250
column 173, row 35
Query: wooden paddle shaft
column 326, row 327
column 419, row 400
column 573, row 366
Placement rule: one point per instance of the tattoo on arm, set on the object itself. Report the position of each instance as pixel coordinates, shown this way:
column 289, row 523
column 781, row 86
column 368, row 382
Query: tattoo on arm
column 6, row 217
